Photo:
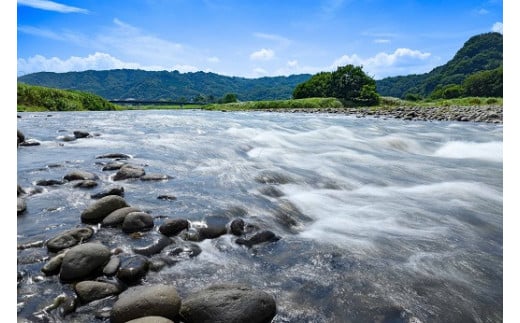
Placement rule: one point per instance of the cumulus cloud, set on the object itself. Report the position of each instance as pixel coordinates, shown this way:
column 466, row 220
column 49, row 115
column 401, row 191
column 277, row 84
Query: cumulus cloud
column 264, row 54
column 96, row 61
column 51, row 6
column 384, row 64
column 498, row 27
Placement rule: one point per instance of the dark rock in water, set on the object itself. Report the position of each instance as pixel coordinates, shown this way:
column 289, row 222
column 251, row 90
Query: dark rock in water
column 49, row 182
column 211, row 232
column 237, row 227
column 166, row 197
column 118, row 216
column 172, row 227
column 68, row 305
column 83, row 261
column 86, row 184
column 114, row 165
column 69, row 239
column 21, row 137
column 154, row 248
column 98, row 210
column 151, row 319
column 21, row 205
column 20, row 191
column 270, row 177
column 52, row 267
column 30, row 142
column 185, row 251
column 137, row 221
column 80, row 175
column 119, row 191
column 142, row 301
column 288, row 215
column 228, row 303
column 67, row 138
column 132, row 269
column 114, row 156
column 81, row 134
column 112, row 266
column 129, row 171
column 89, row 290
column 260, row 237
column 271, row 191
column 155, row 177
column 35, row 244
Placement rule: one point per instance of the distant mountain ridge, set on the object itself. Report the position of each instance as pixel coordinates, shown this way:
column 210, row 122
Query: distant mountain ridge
column 479, row 53
column 124, row 84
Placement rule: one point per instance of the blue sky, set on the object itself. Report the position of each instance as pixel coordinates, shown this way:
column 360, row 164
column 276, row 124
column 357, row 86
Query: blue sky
column 248, row 38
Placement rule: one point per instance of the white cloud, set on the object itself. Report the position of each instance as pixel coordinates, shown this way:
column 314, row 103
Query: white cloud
column 51, row 6
column 96, row 61
column 498, row 27
column 260, row 71
column 213, row 59
column 384, row 64
column 185, row 68
column 381, row 41
column 292, row 63
column 40, row 32
column 262, row 54
column 282, row 41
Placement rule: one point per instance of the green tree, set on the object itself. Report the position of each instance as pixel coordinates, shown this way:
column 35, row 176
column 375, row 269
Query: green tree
column 485, row 83
column 318, row 86
column 228, row 98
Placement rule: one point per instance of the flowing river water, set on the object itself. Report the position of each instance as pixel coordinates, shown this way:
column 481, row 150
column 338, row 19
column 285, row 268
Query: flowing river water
column 379, row 220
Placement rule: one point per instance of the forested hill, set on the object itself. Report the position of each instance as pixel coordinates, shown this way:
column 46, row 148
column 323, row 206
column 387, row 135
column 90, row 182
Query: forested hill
column 163, row 85
column 479, row 53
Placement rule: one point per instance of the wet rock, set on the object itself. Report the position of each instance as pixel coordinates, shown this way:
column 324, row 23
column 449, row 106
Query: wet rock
column 151, row 319
column 137, row 221
column 182, row 252
column 98, row 210
column 260, row 237
column 83, row 261
column 81, row 134
column 112, row 266
column 49, row 182
column 117, row 217
column 21, row 205
column 68, row 305
column 142, row 301
column 89, row 290
column 30, row 142
column 80, row 175
column 271, row 191
column 69, row 239
column 21, row 137
column 237, row 227
column 86, row 184
column 66, row 138
column 166, row 197
column 155, row 177
column 52, row 267
column 20, row 190
column 270, row 177
column 172, row 227
column 114, row 165
column 114, row 156
column 119, row 191
column 132, row 269
column 289, row 216
column 129, row 171
column 153, row 248
column 228, row 303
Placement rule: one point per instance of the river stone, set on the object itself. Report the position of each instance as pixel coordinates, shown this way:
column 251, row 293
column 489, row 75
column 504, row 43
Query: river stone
column 69, row 239
column 155, row 177
column 120, row 191
column 98, row 210
column 260, row 237
column 172, row 227
column 113, row 165
column 228, row 303
column 20, row 190
column 112, row 266
column 137, row 221
column 86, row 184
column 52, row 267
column 89, row 290
column 117, row 217
column 81, row 134
column 151, row 319
column 83, row 261
column 142, row 301
column 153, row 248
column 132, row 269
column 271, row 191
column 21, row 136
column 271, row 177
column 237, row 227
column 21, row 205
column 129, row 171
column 30, row 142
column 49, row 182
column 80, row 175
column 114, row 156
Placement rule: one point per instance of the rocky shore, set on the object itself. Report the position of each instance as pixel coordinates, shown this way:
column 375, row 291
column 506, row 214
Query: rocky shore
column 488, row 114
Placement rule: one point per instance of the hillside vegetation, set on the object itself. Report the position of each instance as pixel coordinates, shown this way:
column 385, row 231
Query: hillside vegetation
column 39, row 98
column 197, row 87
column 480, row 53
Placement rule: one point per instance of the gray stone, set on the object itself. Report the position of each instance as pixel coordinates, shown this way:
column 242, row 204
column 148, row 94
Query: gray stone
column 172, row 227
column 117, row 217
column 89, row 290
column 129, row 171
column 151, row 319
column 69, row 239
column 98, row 210
column 80, row 175
column 83, row 261
column 137, row 221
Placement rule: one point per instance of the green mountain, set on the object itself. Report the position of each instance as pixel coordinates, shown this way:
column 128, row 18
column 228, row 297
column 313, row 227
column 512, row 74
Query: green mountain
column 149, row 85
column 482, row 52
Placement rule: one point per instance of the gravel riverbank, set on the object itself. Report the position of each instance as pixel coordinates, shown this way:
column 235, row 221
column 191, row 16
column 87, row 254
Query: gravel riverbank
column 488, row 114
